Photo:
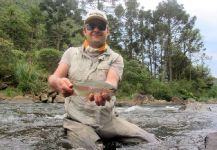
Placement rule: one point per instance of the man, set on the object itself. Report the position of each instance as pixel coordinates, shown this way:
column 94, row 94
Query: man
column 92, row 120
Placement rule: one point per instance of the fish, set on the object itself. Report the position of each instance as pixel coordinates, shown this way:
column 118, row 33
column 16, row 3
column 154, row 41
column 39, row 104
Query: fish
column 85, row 88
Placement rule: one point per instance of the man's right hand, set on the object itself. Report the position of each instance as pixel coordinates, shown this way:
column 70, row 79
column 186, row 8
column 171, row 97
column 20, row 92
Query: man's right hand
column 65, row 87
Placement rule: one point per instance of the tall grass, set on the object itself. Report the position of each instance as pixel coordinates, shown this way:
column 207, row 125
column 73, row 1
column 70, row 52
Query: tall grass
column 29, row 77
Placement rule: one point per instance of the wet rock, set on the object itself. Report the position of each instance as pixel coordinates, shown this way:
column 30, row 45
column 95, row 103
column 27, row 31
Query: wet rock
column 210, row 141
column 197, row 107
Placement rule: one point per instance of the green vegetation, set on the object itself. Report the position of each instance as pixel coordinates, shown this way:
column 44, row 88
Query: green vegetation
column 48, row 58
column 29, row 77
column 11, row 92
column 158, row 46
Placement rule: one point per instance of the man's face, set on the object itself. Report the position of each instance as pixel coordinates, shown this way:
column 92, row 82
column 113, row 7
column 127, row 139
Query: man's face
column 96, row 32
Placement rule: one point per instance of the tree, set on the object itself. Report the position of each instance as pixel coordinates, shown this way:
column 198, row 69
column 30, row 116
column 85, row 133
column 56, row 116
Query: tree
column 62, row 17
column 15, row 27
column 115, row 28
column 36, row 22
column 131, row 25
column 176, row 29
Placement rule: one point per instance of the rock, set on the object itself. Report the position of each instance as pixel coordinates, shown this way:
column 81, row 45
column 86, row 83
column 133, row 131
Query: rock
column 59, row 99
column 210, row 141
column 51, row 93
column 50, row 100
column 3, row 86
column 177, row 100
column 143, row 99
column 190, row 100
column 197, row 107
column 161, row 101
column 43, row 98
column 36, row 99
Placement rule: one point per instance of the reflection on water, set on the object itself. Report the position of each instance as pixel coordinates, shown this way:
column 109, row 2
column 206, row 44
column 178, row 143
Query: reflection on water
column 39, row 126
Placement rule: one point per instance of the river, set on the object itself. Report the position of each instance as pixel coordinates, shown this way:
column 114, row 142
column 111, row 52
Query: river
column 31, row 126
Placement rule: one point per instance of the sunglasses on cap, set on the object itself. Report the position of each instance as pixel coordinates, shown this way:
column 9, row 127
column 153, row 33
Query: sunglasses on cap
column 92, row 26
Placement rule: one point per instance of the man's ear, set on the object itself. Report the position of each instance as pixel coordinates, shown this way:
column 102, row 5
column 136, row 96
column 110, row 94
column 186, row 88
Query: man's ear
column 84, row 31
column 108, row 31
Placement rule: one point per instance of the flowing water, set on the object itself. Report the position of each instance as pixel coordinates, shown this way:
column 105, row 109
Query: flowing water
column 30, row 126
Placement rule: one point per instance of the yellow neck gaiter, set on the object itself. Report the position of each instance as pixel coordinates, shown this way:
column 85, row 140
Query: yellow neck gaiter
column 100, row 49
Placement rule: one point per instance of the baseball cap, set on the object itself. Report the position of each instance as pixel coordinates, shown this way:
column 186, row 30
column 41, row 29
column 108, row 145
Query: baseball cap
column 96, row 14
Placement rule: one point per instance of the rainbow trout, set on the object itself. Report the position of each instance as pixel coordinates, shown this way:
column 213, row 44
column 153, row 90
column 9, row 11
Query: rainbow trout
column 84, row 88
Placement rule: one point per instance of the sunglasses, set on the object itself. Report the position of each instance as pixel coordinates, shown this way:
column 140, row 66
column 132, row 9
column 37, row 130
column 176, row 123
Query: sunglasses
column 92, row 26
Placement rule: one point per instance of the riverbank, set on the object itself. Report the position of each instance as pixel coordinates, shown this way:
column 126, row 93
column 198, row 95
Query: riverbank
column 136, row 100
column 120, row 102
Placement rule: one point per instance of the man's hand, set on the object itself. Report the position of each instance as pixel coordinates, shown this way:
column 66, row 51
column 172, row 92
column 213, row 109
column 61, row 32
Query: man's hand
column 65, row 87
column 100, row 98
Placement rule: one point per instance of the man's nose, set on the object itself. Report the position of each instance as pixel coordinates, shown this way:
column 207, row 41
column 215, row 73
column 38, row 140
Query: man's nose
column 96, row 28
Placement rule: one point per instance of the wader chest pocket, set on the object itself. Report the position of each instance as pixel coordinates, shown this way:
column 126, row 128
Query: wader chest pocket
column 102, row 71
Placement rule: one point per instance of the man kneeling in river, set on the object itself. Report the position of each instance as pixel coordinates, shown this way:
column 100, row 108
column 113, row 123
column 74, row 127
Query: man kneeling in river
column 91, row 118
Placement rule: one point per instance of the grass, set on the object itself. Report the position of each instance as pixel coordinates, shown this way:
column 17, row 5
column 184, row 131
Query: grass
column 10, row 92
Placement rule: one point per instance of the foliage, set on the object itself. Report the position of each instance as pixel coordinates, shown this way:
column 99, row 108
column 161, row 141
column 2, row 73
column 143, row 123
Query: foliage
column 160, row 90
column 6, row 57
column 183, row 89
column 135, row 76
column 19, row 55
column 48, row 58
column 29, row 77
column 212, row 92
column 16, row 27
column 61, row 19
column 11, row 92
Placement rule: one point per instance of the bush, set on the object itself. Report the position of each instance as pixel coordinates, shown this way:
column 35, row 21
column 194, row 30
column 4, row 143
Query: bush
column 48, row 58
column 212, row 92
column 159, row 90
column 183, row 89
column 29, row 77
column 19, row 54
column 133, row 80
column 6, row 58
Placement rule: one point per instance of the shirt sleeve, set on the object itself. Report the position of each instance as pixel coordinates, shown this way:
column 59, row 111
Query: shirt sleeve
column 118, row 66
column 66, row 58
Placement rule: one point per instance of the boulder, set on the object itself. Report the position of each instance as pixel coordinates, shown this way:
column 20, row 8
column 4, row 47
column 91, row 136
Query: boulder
column 59, row 99
column 210, row 141
column 197, row 107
